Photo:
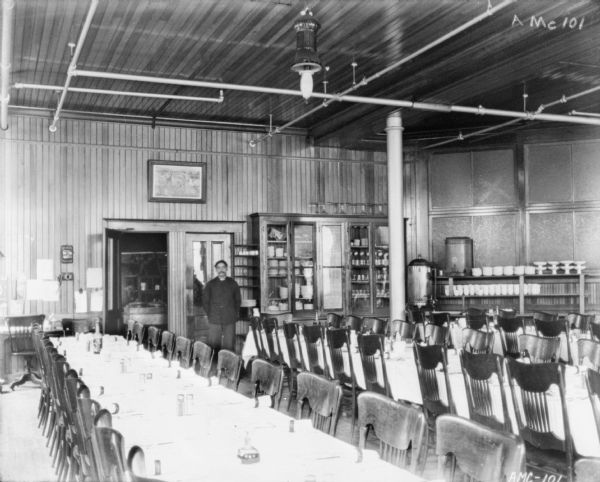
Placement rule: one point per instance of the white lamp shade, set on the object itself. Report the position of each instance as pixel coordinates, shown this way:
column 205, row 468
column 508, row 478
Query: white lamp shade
column 306, row 83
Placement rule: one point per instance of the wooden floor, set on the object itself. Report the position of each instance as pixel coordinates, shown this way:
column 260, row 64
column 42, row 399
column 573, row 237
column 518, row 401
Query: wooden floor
column 25, row 457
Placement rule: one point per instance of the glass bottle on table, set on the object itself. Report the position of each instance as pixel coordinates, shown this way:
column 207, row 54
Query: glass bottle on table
column 97, row 338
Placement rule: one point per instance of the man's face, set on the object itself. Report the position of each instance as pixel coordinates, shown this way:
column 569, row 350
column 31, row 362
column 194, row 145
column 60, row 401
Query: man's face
column 221, row 270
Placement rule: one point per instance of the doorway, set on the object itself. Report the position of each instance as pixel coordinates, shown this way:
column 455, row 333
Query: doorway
column 136, row 278
column 202, row 252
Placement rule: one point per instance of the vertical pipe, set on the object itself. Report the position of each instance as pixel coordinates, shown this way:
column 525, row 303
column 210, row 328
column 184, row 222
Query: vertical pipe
column 395, row 177
column 5, row 61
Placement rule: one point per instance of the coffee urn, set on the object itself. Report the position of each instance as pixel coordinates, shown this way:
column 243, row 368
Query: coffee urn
column 419, row 283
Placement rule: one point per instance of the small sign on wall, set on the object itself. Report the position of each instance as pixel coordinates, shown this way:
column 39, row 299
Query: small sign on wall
column 66, row 254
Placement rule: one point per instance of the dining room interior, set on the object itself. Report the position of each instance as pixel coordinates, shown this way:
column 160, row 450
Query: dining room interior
column 310, row 240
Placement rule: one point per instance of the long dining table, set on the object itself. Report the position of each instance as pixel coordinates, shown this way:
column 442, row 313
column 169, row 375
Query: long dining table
column 403, row 381
column 191, row 428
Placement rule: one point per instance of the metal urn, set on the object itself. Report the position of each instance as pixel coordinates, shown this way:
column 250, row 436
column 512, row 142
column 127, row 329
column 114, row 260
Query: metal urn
column 420, row 282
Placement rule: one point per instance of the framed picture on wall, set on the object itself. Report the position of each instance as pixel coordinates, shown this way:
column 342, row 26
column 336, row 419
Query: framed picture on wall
column 172, row 181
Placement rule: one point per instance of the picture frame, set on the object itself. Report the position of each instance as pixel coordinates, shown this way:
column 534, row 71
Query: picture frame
column 173, row 181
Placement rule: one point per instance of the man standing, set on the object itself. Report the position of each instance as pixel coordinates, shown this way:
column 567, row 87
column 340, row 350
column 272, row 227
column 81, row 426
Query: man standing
column 221, row 299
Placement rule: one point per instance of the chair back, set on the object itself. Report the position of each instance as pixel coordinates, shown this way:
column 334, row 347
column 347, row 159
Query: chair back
column 138, row 332
column 153, row 338
column 482, row 372
column 544, row 316
column 313, row 337
column 167, row 345
column 399, row 426
column 592, row 381
column 353, row 322
column 477, row 319
column 338, row 341
column 436, row 334
column 428, row 359
column 323, row 397
column 269, row 338
column 510, row 327
column 590, row 350
column 475, row 341
column 440, row 319
column 595, row 330
column 256, row 329
column 414, row 315
column 202, row 356
column 539, row 349
column 20, row 333
column 267, row 379
column 530, row 385
column 111, row 454
column 229, row 366
column 477, row 451
column 129, row 329
column 334, row 320
column 371, row 356
column 406, row 330
column 183, row 351
column 374, row 326
column 291, row 334
column 581, row 323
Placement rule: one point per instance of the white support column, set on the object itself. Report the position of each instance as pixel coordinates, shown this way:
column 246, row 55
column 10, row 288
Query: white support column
column 395, row 175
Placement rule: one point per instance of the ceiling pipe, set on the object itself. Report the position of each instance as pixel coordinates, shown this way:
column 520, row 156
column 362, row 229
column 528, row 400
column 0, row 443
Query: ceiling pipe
column 73, row 63
column 563, row 100
column 20, row 85
column 490, row 11
column 588, row 114
column 8, row 7
column 480, row 110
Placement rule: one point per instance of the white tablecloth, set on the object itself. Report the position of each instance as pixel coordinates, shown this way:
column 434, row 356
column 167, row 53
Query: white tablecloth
column 202, row 445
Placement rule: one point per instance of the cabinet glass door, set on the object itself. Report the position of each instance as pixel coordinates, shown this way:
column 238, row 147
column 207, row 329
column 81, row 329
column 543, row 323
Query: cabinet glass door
column 360, row 269
column 381, row 260
column 304, row 290
column 278, row 265
column 332, row 279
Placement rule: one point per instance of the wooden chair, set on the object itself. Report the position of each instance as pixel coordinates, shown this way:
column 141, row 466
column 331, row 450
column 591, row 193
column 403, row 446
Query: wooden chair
column 267, row 379
column 544, row 316
column 478, row 371
column 353, row 322
column 183, row 351
column 428, row 359
column 87, row 409
column 436, row 334
column 110, row 454
column 539, row 349
column 477, row 452
column 414, row 315
column 553, row 329
column 138, row 333
column 590, row 350
column 399, row 426
column 167, row 345
column 334, row 320
column 256, row 329
column 475, row 341
column 202, row 356
column 338, row 341
column 323, row 397
column 595, row 330
column 510, row 328
column 373, row 326
column 440, row 319
column 136, row 465
column 153, row 340
column 406, row 330
column 592, row 381
column 371, row 356
column 20, row 332
column 294, row 362
column 587, row 469
column 581, row 323
column 229, row 366
column 269, row 334
column 477, row 319
column 314, row 339
column 529, row 384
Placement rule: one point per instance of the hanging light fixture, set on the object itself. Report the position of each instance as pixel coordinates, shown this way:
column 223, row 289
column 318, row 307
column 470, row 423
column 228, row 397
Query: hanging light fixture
column 306, row 62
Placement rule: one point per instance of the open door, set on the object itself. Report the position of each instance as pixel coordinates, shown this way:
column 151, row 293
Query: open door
column 112, row 282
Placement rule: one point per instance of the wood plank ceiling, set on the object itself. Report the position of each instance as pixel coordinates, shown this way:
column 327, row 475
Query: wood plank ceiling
column 252, row 42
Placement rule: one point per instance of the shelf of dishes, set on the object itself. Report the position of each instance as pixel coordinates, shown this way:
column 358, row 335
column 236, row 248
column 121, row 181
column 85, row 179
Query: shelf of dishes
column 537, row 268
column 506, row 289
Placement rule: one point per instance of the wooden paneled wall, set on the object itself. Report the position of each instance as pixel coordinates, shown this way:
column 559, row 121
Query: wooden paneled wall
column 58, row 188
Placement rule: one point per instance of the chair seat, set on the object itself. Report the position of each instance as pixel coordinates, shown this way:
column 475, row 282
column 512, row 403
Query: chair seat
column 554, row 459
